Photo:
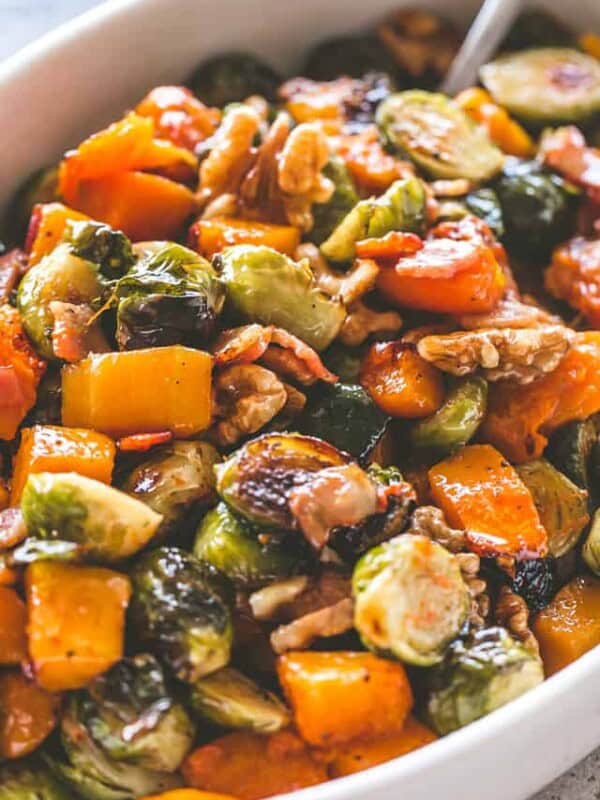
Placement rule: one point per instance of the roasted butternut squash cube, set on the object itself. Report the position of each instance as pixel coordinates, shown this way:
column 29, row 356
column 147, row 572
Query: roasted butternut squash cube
column 76, row 622
column 13, row 636
column 212, row 235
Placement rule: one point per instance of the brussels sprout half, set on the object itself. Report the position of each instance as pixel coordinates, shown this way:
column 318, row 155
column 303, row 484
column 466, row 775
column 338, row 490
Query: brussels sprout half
column 180, row 609
column 546, row 85
column 265, row 286
column 61, row 275
column 130, row 715
column 31, row 780
column 571, row 448
column 438, row 136
column 485, row 204
column 255, row 480
column 232, row 700
column 347, row 55
column 327, row 216
column 480, row 674
column 95, row 241
column 232, row 546
column 410, row 599
column 175, row 478
column 456, row 421
column 537, row 28
column 232, row 77
column 171, row 296
column 562, row 506
column 108, row 524
column 400, row 208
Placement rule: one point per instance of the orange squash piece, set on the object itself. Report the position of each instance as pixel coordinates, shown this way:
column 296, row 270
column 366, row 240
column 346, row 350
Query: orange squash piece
column 179, row 116
column 29, row 714
column 570, row 625
column 250, row 767
column 140, row 391
column 340, row 696
column 49, row 448
column 447, row 276
column 20, row 372
column 520, row 418
column 13, row 635
column 504, row 131
column 574, row 276
column 372, row 169
column 76, row 622
column 360, row 755
column 478, row 490
column 47, row 227
column 189, row 794
column 4, row 495
column 210, row 236
column 400, row 382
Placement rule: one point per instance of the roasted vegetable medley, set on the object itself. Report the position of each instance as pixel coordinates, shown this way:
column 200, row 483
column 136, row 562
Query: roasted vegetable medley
column 300, row 417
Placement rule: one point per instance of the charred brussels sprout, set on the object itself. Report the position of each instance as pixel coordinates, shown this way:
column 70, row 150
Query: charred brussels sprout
column 535, row 580
column 410, row 599
column 174, row 478
column 537, row 28
column 132, row 696
column 438, row 136
column 480, row 674
column 346, row 416
column 233, row 546
column 31, row 780
column 347, row 55
column 562, row 506
column 537, row 207
column 171, row 296
column 328, row 215
column 106, row 247
column 344, row 361
column 353, row 541
column 180, row 609
column 232, row 700
column 92, row 773
column 546, row 85
column 62, row 276
column 591, row 547
column 571, row 450
column 456, row 421
column 256, row 479
column 400, row 208
column 107, row 524
column 232, row 77
column 485, row 204
column 268, row 287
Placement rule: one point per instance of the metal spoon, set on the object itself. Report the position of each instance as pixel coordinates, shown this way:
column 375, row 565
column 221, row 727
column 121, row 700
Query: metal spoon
column 489, row 28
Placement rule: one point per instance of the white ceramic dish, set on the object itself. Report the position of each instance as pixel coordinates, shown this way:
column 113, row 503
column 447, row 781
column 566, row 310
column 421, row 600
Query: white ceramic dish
column 63, row 87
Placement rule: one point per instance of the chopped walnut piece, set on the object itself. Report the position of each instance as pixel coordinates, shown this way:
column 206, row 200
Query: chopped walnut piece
column 430, row 521
column 225, row 205
column 301, row 633
column 350, row 285
column 419, row 41
column 74, row 334
column 362, row 321
column 265, row 603
column 259, row 192
column 470, row 564
column 451, row 188
column 509, row 313
column 520, row 354
column 512, row 613
column 246, row 397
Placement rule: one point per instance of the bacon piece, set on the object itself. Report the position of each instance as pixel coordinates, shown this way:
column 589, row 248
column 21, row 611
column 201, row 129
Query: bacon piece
column 301, row 633
column 565, row 151
column 304, row 353
column 72, row 333
column 12, row 266
column 141, row 442
column 242, row 345
column 391, row 246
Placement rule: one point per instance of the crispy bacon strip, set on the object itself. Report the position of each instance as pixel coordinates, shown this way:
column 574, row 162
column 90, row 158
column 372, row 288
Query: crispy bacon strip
column 141, row 442
column 565, row 150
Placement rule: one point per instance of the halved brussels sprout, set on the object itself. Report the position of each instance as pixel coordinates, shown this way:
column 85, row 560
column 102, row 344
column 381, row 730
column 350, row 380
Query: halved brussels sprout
column 131, row 716
column 562, row 506
column 456, row 421
column 256, row 479
column 537, row 28
column 536, row 582
column 570, row 449
column 108, row 248
column 480, row 674
column 400, row 208
column 92, row 774
column 545, row 85
column 410, row 599
column 234, row 547
column 30, row 779
column 347, row 55
column 485, row 204
column 174, row 478
column 346, row 416
column 232, row 77
column 353, row 541
column 538, row 207
column 107, row 523
column 345, row 361
column 328, row 215
column 438, row 136
column 63, row 276
column 232, row 700
column 591, row 547
column 181, row 611
column 268, row 287
column 171, row 296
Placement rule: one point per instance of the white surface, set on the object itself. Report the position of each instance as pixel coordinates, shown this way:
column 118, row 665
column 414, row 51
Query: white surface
column 53, row 94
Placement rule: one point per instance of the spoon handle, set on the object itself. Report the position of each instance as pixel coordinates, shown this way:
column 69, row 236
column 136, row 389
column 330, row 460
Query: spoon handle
column 489, row 28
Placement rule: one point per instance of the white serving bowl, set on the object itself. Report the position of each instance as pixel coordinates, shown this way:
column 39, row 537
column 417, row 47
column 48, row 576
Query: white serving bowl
column 60, row 89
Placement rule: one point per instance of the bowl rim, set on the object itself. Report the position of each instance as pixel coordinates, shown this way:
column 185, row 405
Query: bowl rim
column 555, row 690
